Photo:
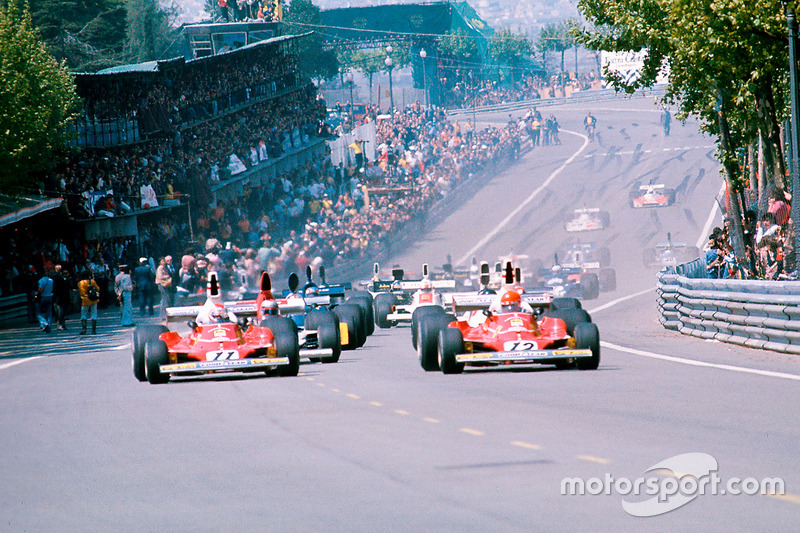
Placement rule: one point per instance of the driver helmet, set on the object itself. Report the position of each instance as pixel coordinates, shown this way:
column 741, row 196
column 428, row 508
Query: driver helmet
column 219, row 314
column 312, row 290
column 511, row 302
column 556, row 269
column 269, row 307
column 426, row 286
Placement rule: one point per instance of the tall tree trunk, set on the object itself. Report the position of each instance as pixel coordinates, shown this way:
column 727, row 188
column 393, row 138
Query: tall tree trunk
column 769, row 129
column 734, row 215
column 763, row 179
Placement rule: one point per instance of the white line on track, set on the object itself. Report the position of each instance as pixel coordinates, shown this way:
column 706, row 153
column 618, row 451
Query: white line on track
column 692, row 362
column 18, row 362
column 489, row 236
column 619, row 300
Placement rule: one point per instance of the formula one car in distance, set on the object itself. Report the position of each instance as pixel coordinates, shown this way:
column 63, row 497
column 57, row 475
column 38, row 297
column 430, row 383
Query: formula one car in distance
column 585, row 258
column 509, row 328
column 219, row 341
column 669, row 253
column 588, row 220
column 651, row 196
column 406, row 296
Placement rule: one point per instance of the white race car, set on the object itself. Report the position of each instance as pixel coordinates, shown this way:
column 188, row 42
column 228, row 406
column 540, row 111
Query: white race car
column 588, row 220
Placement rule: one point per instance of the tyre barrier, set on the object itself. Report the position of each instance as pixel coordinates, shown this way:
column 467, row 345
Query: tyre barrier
column 755, row 313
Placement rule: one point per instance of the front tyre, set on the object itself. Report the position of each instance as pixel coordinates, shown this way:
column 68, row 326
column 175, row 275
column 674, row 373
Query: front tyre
column 286, row 345
column 155, row 355
column 141, row 336
column 587, row 336
column 451, row 343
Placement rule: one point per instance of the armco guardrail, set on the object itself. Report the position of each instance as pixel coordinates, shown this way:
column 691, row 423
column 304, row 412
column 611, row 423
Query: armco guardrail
column 755, row 313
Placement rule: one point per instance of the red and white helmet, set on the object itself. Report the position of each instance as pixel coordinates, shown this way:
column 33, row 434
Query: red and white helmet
column 269, row 307
column 510, row 302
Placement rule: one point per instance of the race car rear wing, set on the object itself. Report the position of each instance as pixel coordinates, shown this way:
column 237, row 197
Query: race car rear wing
column 476, row 302
column 648, row 187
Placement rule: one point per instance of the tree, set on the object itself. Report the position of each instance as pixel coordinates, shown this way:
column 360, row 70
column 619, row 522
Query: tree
column 303, row 16
column 726, row 61
column 37, row 102
column 555, row 37
column 149, row 31
column 88, row 35
column 510, row 49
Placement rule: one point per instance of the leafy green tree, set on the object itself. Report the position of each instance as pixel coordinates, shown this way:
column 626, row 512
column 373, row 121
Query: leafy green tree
column 149, row 31
column 555, row 37
column 726, row 61
column 510, row 49
column 37, row 101
column 88, row 35
column 303, row 16
column 459, row 47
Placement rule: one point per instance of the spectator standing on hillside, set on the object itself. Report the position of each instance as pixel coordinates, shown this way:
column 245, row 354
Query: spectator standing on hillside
column 89, row 292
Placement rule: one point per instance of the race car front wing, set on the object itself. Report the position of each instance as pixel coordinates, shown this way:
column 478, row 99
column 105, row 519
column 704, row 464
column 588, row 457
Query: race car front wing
column 519, row 357
column 239, row 365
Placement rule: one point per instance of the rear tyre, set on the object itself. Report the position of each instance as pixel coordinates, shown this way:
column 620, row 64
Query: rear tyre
column 605, row 257
column 605, row 218
column 590, row 286
column 155, row 355
column 328, row 337
column 670, row 193
column 565, row 303
column 417, row 315
column 141, row 336
column 278, row 324
column 451, row 343
column 286, row 345
column 608, row 279
column 383, row 306
column 587, row 336
column 365, row 303
column 428, row 339
column 350, row 316
column 571, row 317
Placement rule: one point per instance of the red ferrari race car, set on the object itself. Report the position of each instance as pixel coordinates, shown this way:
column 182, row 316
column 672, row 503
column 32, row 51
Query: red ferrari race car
column 218, row 341
column 651, row 196
column 510, row 328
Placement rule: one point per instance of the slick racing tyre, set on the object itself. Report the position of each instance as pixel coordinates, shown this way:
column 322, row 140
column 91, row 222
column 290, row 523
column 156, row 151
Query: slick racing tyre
column 571, row 317
column 277, row 324
column 587, row 336
column 451, row 343
column 155, row 355
column 350, row 316
column 286, row 345
column 565, row 303
column 608, row 279
column 590, row 286
column 365, row 303
column 383, row 306
column 417, row 315
column 141, row 336
column 428, row 339
column 328, row 337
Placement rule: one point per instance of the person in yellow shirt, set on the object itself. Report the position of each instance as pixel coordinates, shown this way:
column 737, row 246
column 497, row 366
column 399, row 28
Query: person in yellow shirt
column 358, row 150
column 89, row 301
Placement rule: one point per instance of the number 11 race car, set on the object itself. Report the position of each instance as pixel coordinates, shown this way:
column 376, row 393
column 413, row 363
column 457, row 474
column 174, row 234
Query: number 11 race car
column 219, row 341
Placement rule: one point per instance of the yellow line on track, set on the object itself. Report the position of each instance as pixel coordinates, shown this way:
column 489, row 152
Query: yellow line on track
column 791, row 498
column 474, row 432
column 593, row 459
column 376, row 404
column 526, row 445
column 401, row 412
column 353, row 396
column 431, row 420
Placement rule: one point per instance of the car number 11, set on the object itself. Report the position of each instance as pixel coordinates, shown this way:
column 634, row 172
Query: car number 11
column 222, row 355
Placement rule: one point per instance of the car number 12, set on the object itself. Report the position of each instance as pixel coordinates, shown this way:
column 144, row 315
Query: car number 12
column 520, row 346
column 222, row 355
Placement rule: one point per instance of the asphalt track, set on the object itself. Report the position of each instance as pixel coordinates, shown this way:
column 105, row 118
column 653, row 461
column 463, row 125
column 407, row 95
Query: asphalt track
column 374, row 443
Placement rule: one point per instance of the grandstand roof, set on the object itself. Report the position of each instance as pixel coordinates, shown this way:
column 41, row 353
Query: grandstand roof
column 402, row 20
column 156, row 66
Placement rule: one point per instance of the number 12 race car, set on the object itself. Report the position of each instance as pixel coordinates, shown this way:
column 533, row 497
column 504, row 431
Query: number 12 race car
column 509, row 328
column 218, row 342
